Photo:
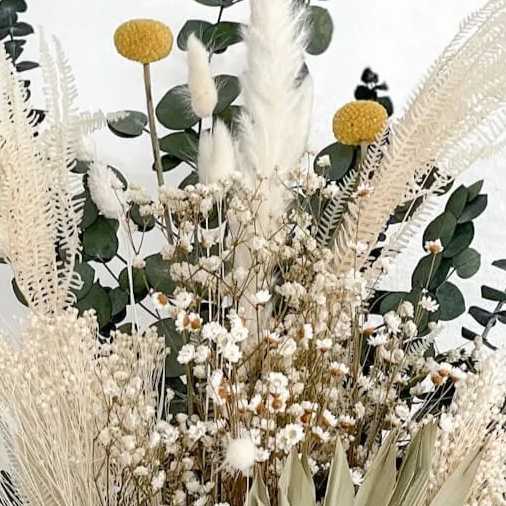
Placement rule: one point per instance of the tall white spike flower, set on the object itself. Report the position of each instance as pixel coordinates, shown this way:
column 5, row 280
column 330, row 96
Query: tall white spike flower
column 216, row 159
column 203, row 92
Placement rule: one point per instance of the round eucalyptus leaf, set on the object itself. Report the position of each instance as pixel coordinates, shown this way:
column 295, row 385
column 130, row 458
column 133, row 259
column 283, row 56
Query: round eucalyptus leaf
column 169, row 163
column 190, row 179
column 196, row 26
column 462, row 238
column 457, row 201
column 322, row 29
column 441, row 273
column 425, row 271
column 392, row 301
column 230, row 116
column 181, row 145
column 81, row 167
column 127, row 328
column 145, row 223
column 17, row 292
column 174, row 110
column 100, row 241
column 119, row 301
column 87, row 274
column 451, row 301
column 14, row 48
column 8, row 18
column 23, row 66
column 98, row 300
column 128, row 124
column 140, row 283
column 341, row 160
column 120, row 176
column 174, row 341
column 474, row 208
column 467, row 263
column 228, row 90
column 90, row 210
column 21, row 29
column 222, row 35
column 158, row 274
column 442, row 227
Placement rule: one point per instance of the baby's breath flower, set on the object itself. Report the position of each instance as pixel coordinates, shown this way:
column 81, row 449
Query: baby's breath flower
column 406, row 310
column 143, row 40
column 434, row 247
column 359, row 121
column 323, row 161
column 261, row 298
column 429, row 304
column 186, row 354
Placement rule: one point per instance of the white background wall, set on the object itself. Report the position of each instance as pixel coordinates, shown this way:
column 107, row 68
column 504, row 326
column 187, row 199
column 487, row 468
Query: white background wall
column 398, row 38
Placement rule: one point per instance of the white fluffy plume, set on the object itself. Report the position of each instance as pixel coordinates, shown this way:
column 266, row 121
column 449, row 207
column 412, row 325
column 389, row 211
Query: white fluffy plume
column 216, row 154
column 106, row 191
column 277, row 93
column 203, row 93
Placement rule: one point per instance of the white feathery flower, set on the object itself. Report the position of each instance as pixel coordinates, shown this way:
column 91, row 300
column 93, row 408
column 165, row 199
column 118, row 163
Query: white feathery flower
column 406, row 310
column 203, row 92
column 410, row 329
column 323, row 345
column 240, row 455
column 429, row 304
column 158, row 481
column 186, row 354
column 434, row 247
column 106, row 191
column 392, row 321
column 261, row 298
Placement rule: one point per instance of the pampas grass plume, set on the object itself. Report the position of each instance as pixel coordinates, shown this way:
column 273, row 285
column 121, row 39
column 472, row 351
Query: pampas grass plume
column 106, row 191
column 203, row 92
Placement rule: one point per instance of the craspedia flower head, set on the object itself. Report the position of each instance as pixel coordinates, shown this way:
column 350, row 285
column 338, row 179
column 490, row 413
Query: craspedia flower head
column 143, row 40
column 359, row 121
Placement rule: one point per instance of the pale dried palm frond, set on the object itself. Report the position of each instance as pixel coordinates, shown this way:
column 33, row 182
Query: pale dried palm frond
column 456, row 116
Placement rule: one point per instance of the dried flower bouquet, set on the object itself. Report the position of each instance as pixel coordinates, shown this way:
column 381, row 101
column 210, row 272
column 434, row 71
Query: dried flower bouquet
column 265, row 378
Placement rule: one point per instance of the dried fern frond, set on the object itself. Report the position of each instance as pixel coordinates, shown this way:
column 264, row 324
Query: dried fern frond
column 453, row 119
column 37, row 210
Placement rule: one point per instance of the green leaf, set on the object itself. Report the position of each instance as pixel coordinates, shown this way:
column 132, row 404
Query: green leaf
column 501, row 264
column 216, row 3
column 169, row 163
column 392, row 301
column 196, row 26
column 13, row 5
column 128, row 124
column 474, row 190
column 425, row 271
column 258, row 494
column 119, row 301
column 340, row 489
column 457, row 201
column 87, row 275
column 222, row 35
column 230, row 116
column 451, row 301
column 441, row 274
column 322, row 29
column 98, row 300
column 294, row 484
column 490, row 293
column 228, row 90
column 174, row 341
column 387, row 103
column 174, row 110
column 145, row 223
column 21, row 29
column 467, row 263
column 14, row 48
column 17, row 292
column 482, row 316
column 100, row 241
column 190, row 179
column 140, row 283
column 442, row 227
column 341, row 160
column 468, row 334
column 90, row 210
column 474, row 209
column 462, row 238
column 158, row 275
column 181, row 145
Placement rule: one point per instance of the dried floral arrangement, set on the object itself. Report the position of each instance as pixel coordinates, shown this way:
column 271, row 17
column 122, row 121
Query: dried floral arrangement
column 275, row 371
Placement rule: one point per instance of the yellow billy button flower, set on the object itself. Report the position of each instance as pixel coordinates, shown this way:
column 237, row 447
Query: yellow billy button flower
column 143, row 40
column 359, row 122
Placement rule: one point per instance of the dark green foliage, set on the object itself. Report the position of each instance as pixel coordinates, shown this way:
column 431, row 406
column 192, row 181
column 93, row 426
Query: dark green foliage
column 370, row 90
column 322, row 30
column 488, row 318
